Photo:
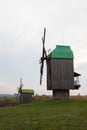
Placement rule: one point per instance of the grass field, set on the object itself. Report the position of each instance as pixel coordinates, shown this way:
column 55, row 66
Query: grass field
column 48, row 115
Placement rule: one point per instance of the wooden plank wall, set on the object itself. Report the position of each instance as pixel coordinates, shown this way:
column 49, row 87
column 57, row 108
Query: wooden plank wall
column 61, row 94
column 49, row 83
column 26, row 98
column 62, row 74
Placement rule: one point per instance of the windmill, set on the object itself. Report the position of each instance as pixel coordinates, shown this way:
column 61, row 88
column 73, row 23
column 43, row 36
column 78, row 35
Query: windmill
column 25, row 95
column 60, row 70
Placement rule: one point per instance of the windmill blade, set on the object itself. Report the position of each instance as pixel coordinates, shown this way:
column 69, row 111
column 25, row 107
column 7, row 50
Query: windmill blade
column 20, row 87
column 41, row 71
column 42, row 66
column 44, row 50
column 43, row 56
column 43, row 41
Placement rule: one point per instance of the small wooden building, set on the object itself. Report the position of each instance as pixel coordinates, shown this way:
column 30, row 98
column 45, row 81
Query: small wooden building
column 27, row 96
column 60, row 72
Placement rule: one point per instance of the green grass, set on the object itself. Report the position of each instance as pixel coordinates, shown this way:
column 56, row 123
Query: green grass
column 49, row 115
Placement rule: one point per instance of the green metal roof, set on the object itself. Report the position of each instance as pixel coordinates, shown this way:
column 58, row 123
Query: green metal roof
column 62, row 52
column 28, row 91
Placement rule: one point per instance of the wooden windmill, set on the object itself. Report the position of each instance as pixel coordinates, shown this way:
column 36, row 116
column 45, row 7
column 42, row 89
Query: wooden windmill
column 60, row 70
column 25, row 95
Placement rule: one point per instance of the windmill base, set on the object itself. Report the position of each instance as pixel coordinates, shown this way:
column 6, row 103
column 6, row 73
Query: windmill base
column 61, row 94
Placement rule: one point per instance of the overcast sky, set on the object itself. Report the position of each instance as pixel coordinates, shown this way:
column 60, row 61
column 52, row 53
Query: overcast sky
column 21, row 30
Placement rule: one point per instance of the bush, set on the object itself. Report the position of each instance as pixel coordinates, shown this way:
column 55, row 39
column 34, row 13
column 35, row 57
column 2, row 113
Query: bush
column 8, row 101
column 79, row 97
column 42, row 98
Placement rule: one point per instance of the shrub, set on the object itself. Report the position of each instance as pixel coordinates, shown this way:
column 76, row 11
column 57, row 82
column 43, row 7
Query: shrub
column 8, row 101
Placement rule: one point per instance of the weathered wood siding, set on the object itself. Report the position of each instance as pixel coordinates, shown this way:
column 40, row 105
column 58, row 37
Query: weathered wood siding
column 26, row 98
column 60, row 74
column 61, row 94
column 49, row 83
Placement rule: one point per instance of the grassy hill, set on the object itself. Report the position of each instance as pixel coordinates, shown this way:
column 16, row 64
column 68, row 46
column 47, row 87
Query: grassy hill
column 49, row 115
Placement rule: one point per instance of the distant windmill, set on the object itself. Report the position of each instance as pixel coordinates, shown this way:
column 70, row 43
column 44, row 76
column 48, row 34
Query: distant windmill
column 60, row 71
column 25, row 95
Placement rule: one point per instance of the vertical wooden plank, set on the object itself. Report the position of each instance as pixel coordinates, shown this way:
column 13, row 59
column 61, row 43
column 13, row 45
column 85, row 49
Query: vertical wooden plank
column 49, row 74
column 62, row 74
